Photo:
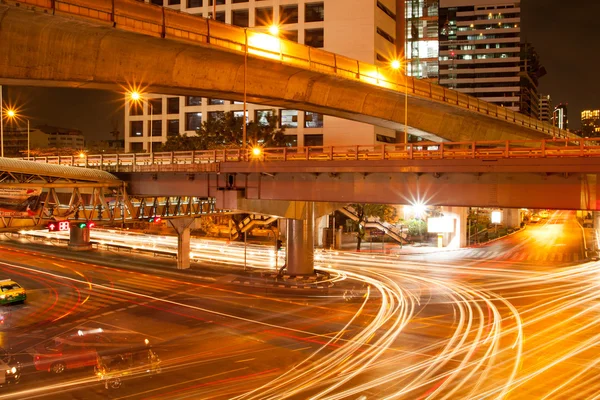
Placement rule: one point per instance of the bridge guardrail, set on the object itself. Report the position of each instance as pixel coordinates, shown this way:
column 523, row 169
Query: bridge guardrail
column 162, row 22
column 208, row 160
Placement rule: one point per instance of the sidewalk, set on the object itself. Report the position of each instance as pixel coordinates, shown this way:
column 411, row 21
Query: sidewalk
column 393, row 248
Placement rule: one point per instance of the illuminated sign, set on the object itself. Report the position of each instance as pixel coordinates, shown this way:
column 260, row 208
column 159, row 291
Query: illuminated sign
column 58, row 226
column 496, row 217
column 440, row 225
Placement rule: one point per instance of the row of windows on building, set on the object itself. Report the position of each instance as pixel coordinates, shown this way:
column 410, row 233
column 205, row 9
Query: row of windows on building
column 193, row 121
column 288, row 13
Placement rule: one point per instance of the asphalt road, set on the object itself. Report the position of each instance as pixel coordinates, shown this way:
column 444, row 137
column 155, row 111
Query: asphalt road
column 516, row 318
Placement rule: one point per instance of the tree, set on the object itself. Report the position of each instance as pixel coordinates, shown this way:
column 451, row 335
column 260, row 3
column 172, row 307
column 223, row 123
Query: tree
column 384, row 212
column 226, row 131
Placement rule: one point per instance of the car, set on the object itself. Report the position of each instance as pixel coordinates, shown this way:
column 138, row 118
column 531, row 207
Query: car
column 68, row 352
column 11, row 292
column 544, row 214
column 114, row 366
column 534, row 219
column 10, row 369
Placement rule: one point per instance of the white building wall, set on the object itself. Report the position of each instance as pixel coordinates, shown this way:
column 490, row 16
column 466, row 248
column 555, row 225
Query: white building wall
column 350, row 29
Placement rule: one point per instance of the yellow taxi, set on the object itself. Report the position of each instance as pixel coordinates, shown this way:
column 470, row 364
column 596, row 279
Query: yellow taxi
column 11, row 292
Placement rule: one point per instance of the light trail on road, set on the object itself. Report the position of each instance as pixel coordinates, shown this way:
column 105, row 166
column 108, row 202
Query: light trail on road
column 446, row 329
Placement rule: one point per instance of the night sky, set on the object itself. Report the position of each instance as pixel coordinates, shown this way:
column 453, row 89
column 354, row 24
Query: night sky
column 564, row 33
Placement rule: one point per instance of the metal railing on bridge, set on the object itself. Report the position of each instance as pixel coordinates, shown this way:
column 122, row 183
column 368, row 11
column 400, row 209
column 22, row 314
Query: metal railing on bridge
column 162, row 22
column 209, row 160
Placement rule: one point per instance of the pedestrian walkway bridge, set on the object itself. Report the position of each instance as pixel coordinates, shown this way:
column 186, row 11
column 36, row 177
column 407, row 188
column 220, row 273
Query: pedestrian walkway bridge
column 109, row 43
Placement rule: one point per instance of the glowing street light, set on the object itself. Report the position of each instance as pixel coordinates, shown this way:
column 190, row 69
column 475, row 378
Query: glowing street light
column 274, row 30
column 12, row 114
column 136, row 97
column 397, row 65
column 256, row 151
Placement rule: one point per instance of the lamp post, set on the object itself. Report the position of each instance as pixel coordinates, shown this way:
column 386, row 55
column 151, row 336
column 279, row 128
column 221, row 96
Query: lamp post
column 12, row 114
column 137, row 97
column 1, row 124
column 245, row 156
column 396, row 65
column 273, row 30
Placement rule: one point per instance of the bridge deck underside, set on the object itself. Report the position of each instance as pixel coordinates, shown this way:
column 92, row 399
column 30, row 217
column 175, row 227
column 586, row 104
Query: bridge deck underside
column 511, row 190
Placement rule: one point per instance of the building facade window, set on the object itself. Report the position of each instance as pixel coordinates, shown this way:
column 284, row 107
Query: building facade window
column 135, row 108
column 220, row 16
column 288, row 14
column 215, row 115
column 219, row 2
column 193, row 121
column 156, row 128
column 155, row 106
column 157, row 2
column 263, row 16
column 193, row 101
column 240, row 18
column 385, row 139
column 173, row 127
column 261, row 117
column 173, row 105
column 289, row 118
column 314, row 37
column 238, row 1
column 216, row 102
column 136, row 128
column 313, row 140
column 136, row 147
column 240, row 114
column 194, row 3
column 290, row 35
column 174, row 2
column 386, row 35
column 314, row 12
column 291, row 140
column 313, row 120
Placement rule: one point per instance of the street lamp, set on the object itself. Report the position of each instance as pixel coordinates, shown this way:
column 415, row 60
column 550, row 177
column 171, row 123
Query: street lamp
column 12, row 114
column 137, row 97
column 397, row 65
column 274, row 31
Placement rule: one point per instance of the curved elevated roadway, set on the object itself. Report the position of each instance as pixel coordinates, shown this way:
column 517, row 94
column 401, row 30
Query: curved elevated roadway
column 112, row 43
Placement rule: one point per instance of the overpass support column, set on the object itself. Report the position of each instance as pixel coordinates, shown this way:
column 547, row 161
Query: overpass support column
column 183, row 229
column 300, row 243
column 458, row 238
column 512, row 217
column 79, row 238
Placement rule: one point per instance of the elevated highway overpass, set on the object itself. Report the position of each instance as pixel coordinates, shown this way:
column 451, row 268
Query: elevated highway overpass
column 111, row 44
column 294, row 182
column 558, row 174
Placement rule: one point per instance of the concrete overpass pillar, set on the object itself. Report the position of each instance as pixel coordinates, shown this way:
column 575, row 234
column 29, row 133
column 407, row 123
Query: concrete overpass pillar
column 512, row 217
column 458, row 238
column 79, row 237
column 300, row 243
column 183, row 229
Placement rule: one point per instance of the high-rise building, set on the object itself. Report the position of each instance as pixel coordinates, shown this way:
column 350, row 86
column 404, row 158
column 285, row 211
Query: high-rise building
column 545, row 108
column 560, row 117
column 480, row 49
column 474, row 47
column 590, row 123
column 422, row 43
column 531, row 71
column 359, row 29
